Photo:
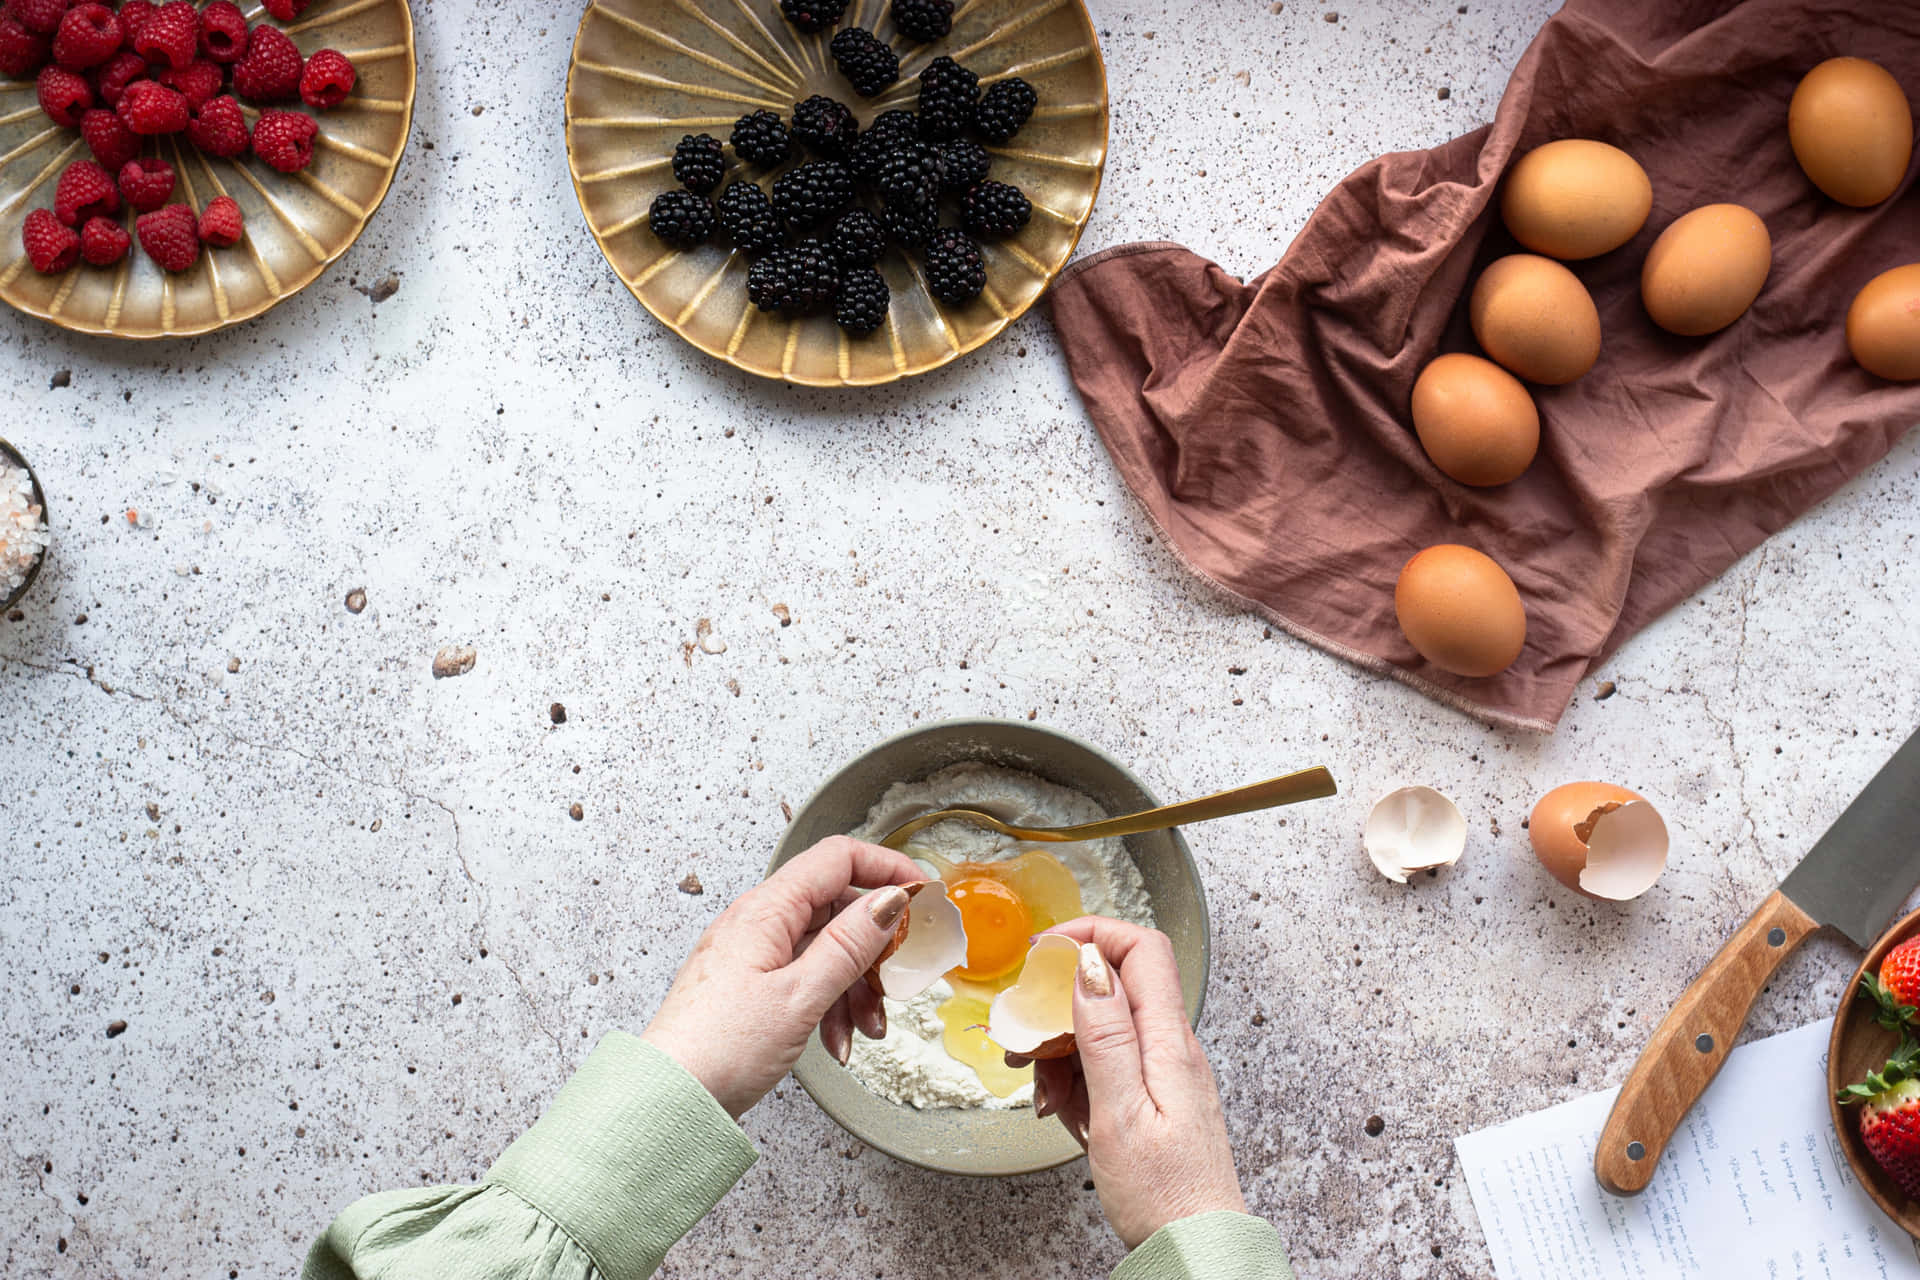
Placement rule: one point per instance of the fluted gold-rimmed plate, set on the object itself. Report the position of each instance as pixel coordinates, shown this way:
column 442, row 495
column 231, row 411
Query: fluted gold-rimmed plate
column 646, row 72
column 297, row 224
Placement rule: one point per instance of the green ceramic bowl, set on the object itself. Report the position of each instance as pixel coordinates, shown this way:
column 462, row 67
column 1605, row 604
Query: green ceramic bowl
column 991, row 1143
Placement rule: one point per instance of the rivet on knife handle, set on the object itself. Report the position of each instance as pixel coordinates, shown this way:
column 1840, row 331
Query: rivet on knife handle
column 1688, row 1048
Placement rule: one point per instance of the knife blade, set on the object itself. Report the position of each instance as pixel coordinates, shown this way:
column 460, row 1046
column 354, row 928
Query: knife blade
column 1853, row 880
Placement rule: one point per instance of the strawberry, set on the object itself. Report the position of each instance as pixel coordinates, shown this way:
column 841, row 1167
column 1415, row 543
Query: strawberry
column 1897, row 988
column 1890, row 1115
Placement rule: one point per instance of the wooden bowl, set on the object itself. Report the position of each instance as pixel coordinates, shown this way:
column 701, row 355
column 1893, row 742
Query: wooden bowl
column 988, row 1143
column 297, row 223
column 645, row 73
column 1860, row 1045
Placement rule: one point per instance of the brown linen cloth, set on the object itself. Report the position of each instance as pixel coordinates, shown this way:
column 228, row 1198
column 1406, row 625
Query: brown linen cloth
column 1265, row 426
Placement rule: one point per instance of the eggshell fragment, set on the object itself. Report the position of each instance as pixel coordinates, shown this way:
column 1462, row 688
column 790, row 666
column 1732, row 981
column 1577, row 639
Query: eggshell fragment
column 1413, row 829
column 1034, row 1016
column 1851, row 128
column 1599, row 839
column 928, row 941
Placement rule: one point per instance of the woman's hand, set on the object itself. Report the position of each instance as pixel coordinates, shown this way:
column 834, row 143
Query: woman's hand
column 786, row 955
column 1138, row 1092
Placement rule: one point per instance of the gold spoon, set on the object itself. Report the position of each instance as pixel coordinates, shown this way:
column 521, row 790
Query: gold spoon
column 1308, row 784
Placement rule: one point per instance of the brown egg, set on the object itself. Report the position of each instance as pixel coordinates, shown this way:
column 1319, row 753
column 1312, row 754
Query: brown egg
column 1883, row 324
column 1575, row 198
column 1475, row 420
column 1706, row 269
column 1460, row 611
column 1851, row 127
column 1599, row 839
column 1535, row 317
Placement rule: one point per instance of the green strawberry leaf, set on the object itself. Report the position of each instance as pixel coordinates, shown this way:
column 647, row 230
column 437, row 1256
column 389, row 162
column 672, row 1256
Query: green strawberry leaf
column 1889, row 1012
column 1903, row 1066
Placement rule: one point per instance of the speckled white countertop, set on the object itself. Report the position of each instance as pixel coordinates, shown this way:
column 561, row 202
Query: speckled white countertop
column 357, row 940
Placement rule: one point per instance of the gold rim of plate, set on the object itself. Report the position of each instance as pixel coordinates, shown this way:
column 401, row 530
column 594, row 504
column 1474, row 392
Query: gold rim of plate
column 297, row 224
column 645, row 72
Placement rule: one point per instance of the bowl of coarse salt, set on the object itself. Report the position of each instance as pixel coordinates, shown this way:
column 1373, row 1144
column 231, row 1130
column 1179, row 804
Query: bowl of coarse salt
column 24, row 535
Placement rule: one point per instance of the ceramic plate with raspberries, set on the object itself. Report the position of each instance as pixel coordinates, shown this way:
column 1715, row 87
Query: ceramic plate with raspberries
column 837, row 192
column 169, row 167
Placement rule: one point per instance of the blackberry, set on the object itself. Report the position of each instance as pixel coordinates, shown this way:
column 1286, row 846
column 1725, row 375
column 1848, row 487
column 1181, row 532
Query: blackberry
column 698, row 162
column 867, row 63
column 862, row 305
column 923, row 21
column 963, row 166
column 812, row 193
column 747, row 216
column 825, row 126
column 947, row 92
column 955, row 270
column 796, row 280
column 858, row 239
column 1004, row 108
column 910, row 175
column 995, row 211
column 912, row 226
column 813, row 15
column 681, row 218
column 889, row 130
column 761, row 138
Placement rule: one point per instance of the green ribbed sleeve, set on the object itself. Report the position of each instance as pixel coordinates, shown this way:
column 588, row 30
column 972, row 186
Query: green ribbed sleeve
column 1209, row 1246
column 632, row 1153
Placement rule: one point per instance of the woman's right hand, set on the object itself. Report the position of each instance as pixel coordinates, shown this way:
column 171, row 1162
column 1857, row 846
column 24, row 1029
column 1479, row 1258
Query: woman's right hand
column 1138, row 1093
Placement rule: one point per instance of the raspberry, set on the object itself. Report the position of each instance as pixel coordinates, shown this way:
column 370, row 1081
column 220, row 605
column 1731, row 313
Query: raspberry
column 150, row 108
column 134, row 16
column 51, row 245
column 287, row 10
column 88, row 36
column 270, row 71
column 42, row 16
column 171, row 35
column 220, row 128
column 223, row 31
column 119, row 71
column 22, row 52
column 63, row 95
column 84, row 191
column 220, row 223
column 197, row 82
column 146, row 184
column 104, row 242
column 327, row 81
column 284, row 139
column 171, row 236
column 107, row 136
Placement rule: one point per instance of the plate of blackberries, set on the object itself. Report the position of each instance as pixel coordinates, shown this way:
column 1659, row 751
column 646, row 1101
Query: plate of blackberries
column 837, row 192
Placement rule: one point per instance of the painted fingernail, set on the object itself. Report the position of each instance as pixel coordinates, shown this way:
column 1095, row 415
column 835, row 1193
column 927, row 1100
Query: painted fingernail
column 887, row 906
column 838, row 1042
column 1080, row 1131
column 1096, row 979
column 1040, row 1099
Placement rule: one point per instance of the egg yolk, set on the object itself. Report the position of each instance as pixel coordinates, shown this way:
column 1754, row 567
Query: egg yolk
column 998, row 927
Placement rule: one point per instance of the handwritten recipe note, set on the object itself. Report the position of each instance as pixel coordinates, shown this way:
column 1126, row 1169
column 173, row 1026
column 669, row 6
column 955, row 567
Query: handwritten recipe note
column 1753, row 1185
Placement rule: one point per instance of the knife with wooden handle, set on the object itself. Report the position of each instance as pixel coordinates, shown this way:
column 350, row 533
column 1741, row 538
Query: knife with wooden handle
column 1853, row 880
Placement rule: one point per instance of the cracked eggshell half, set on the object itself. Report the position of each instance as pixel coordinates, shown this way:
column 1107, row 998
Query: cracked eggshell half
column 928, row 941
column 1600, row 840
column 1034, row 1016
column 1413, row 829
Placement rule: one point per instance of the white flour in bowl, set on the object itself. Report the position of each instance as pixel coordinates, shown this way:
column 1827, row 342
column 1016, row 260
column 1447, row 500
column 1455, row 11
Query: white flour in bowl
column 911, row 1066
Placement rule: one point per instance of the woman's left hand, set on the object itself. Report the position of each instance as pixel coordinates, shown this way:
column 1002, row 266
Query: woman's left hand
column 787, row 955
